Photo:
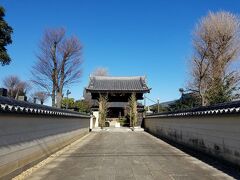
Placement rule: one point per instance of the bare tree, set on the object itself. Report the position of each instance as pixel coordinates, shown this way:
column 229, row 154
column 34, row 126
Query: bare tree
column 100, row 71
column 58, row 63
column 16, row 87
column 41, row 96
column 216, row 45
column 200, row 74
column 88, row 98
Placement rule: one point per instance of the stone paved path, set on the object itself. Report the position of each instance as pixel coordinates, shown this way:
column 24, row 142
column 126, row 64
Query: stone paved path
column 123, row 156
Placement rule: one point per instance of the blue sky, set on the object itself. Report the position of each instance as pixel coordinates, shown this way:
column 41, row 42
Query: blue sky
column 129, row 37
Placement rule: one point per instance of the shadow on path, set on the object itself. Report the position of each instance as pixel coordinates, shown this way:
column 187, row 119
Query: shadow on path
column 219, row 164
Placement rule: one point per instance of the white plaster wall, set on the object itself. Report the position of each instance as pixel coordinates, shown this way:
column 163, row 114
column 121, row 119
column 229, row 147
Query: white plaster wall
column 27, row 139
column 218, row 135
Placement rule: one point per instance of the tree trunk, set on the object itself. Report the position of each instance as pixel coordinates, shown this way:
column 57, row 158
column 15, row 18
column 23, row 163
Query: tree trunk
column 16, row 97
column 204, row 103
column 53, row 96
column 59, row 99
column 203, row 99
column 54, row 75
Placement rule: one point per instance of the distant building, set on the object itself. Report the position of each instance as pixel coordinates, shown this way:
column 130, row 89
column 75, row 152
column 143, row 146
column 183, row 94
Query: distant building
column 118, row 90
column 168, row 104
column 187, row 100
column 3, row 92
column 164, row 106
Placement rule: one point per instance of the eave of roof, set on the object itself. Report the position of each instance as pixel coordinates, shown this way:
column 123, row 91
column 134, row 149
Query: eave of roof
column 8, row 105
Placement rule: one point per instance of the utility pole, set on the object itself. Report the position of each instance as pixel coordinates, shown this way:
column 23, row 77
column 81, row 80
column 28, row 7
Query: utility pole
column 158, row 105
column 68, row 92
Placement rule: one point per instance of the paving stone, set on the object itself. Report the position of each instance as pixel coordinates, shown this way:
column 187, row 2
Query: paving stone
column 143, row 177
column 125, row 178
column 125, row 156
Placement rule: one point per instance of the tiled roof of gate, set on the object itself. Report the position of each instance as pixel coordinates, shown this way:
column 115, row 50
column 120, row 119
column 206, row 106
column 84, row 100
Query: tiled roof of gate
column 111, row 83
column 9, row 105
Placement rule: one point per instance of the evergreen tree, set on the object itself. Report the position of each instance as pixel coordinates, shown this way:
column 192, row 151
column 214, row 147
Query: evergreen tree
column 5, row 38
column 133, row 110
